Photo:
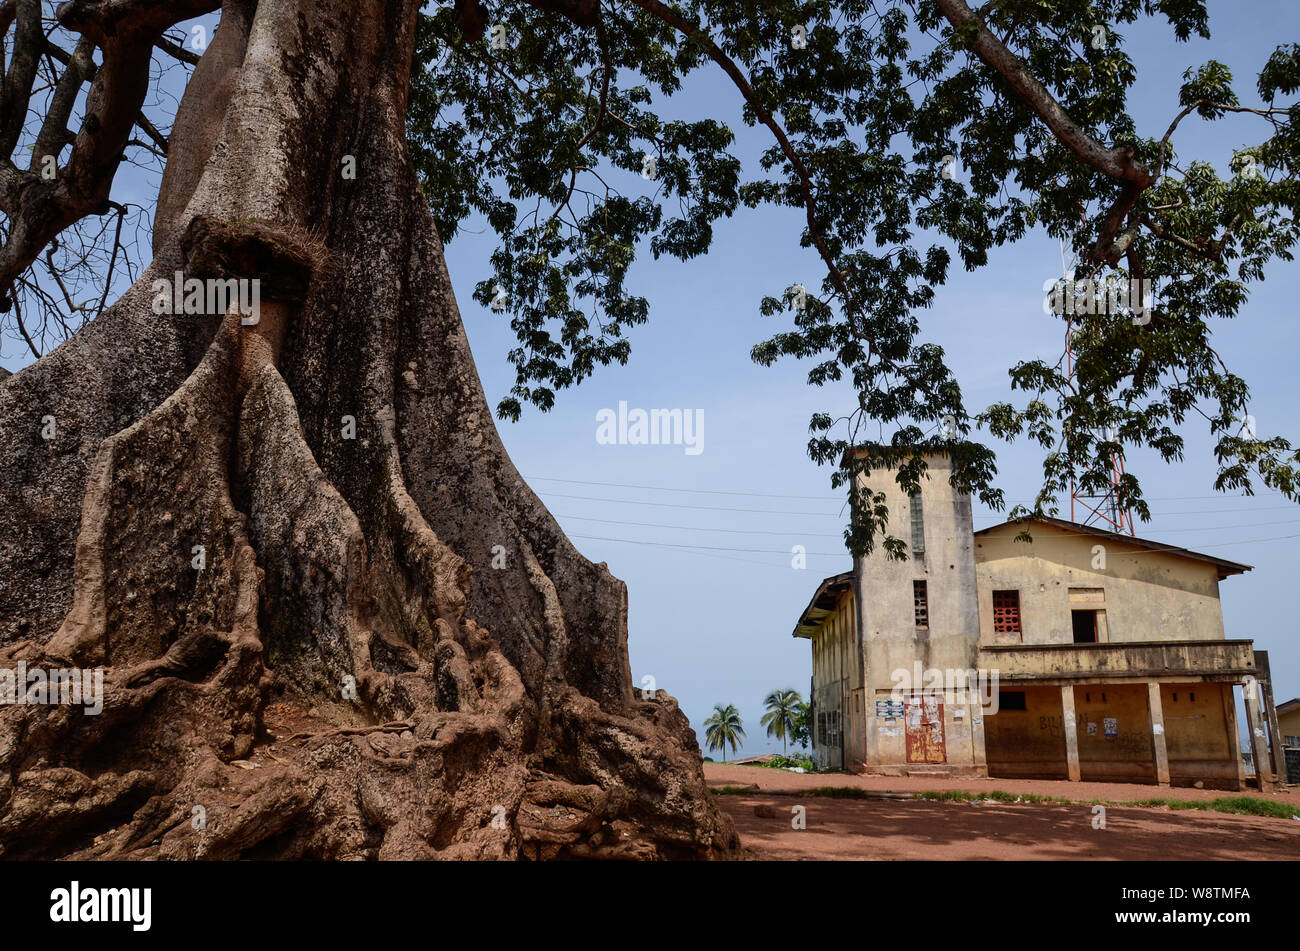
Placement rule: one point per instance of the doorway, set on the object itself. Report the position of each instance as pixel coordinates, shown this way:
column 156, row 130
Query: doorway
column 923, row 717
column 1085, row 626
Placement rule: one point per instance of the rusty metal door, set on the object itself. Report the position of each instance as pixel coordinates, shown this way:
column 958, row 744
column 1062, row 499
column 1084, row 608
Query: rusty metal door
column 923, row 717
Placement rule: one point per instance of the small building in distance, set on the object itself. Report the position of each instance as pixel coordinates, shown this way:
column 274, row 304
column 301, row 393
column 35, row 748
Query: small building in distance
column 1288, row 723
column 1288, row 727
column 1109, row 651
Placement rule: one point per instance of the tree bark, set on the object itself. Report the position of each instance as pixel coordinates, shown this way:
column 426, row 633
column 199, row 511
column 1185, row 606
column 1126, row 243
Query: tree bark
column 493, row 714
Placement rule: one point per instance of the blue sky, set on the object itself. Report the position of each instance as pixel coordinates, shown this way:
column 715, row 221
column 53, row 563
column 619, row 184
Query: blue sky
column 711, row 623
column 714, row 626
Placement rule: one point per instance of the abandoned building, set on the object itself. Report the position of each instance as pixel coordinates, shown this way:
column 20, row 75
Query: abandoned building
column 1109, row 652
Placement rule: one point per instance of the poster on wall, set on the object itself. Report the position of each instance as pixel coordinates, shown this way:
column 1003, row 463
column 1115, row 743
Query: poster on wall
column 1112, row 726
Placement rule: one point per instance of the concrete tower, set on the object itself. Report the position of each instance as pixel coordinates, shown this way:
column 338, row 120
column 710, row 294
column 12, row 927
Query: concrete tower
column 919, row 617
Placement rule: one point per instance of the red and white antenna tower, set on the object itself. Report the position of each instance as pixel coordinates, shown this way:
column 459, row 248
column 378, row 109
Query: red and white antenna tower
column 1093, row 507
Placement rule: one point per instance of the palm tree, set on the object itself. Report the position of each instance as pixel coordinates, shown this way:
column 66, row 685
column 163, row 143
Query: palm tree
column 802, row 731
column 782, row 714
column 723, row 727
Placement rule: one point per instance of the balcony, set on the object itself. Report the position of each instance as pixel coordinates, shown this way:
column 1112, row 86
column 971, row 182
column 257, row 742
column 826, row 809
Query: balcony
column 1208, row 660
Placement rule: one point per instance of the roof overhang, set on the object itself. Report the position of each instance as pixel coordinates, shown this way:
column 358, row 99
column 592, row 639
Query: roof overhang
column 823, row 603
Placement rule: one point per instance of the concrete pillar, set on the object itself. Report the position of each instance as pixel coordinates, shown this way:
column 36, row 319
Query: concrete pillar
column 1234, row 738
column 1069, row 719
column 1258, row 741
column 871, row 727
column 979, row 757
column 1156, row 714
column 1270, row 715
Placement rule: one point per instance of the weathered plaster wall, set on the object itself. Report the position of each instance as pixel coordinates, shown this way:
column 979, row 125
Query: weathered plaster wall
column 1143, row 595
column 1288, row 723
column 835, row 675
column 1029, row 742
column 1127, row 755
column 1113, row 730
column 892, row 641
column 1198, row 735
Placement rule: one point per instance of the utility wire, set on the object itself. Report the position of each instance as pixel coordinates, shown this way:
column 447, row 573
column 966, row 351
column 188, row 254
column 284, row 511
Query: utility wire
column 795, row 532
column 665, row 488
column 826, row 554
column 831, row 498
column 697, row 528
column 751, row 551
column 679, row 505
column 724, row 508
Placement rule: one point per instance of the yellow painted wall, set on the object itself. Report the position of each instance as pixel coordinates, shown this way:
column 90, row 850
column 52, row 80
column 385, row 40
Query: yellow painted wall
column 834, row 679
column 1128, row 756
column 1198, row 734
column 1029, row 742
column 1142, row 595
column 1194, row 722
column 1289, row 724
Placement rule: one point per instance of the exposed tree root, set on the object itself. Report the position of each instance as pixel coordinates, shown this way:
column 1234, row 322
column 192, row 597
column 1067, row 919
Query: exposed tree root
column 475, row 767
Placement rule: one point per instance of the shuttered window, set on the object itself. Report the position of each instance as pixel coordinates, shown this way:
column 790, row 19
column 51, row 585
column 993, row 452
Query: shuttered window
column 1006, row 612
column 918, row 526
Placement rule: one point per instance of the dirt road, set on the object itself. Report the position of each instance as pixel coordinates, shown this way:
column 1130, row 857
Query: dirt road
column 914, row 829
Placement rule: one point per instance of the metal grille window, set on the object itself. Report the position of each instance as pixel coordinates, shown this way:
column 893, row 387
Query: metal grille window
column 921, row 604
column 1006, row 612
column 918, row 526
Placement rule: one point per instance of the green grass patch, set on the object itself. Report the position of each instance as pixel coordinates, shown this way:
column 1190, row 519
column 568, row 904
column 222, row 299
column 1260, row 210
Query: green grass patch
column 1233, row 805
column 997, row 795
column 838, row 792
column 1250, row 806
column 787, row 762
column 730, row 790
column 948, row 795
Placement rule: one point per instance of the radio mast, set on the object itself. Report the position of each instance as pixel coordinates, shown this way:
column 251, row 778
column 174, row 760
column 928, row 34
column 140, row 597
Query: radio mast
column 1099, row 509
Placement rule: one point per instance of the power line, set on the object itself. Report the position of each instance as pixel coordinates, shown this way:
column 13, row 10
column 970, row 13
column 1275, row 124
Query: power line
column 666, row 488
column 1265, row 508
column 1219, row 528
column 825, row 554
column 796, row 532
column 697, row 528
column 831, row 498
column 1174, row 549
column 725, row 508
column 709, row 508
column 751, row 551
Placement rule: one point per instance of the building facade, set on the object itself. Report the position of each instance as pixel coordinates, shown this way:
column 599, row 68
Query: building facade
column 1084, row 654
column 1288, row 718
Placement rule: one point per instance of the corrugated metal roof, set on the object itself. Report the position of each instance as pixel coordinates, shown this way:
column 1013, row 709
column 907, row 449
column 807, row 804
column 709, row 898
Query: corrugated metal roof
column 823, row 603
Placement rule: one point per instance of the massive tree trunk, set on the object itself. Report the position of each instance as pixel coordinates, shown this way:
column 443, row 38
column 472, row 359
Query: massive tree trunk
column 493, row 713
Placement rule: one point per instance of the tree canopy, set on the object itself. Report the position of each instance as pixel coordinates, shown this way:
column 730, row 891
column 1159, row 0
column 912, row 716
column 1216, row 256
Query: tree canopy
column 902, row 130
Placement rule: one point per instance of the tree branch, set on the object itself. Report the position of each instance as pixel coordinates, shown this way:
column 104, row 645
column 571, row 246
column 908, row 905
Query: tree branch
column 1119, row 164
column 176, row 50
column 126, row 30
column 688, row 29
